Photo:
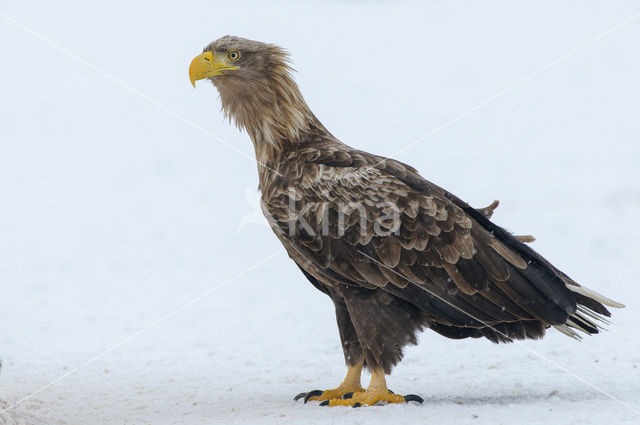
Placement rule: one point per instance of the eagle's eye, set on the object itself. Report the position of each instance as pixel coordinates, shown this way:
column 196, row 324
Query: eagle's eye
column 233, row 55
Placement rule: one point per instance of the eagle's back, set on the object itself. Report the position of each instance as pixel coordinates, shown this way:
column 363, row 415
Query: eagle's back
column 332, row 210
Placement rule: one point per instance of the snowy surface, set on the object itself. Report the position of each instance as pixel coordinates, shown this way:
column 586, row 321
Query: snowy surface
column 131, row 260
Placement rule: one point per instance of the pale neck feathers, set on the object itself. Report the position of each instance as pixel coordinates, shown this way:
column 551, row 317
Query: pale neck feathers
column 271, row 109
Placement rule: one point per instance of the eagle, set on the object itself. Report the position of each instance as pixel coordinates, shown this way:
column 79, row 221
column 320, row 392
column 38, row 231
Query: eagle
column 395, row 253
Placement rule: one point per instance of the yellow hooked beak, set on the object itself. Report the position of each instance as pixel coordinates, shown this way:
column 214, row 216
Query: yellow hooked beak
column 207, row 65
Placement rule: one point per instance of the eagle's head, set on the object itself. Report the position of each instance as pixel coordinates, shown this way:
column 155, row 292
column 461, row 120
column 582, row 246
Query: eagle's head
column 234, row 60
column 256, row 87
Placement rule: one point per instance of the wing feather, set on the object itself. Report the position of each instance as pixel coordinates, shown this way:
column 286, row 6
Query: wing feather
column 440, row 253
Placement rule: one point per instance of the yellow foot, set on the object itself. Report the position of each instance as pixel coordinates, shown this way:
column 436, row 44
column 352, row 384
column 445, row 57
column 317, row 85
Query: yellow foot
column 350, row 385
column 319, row 395
column 369, row 398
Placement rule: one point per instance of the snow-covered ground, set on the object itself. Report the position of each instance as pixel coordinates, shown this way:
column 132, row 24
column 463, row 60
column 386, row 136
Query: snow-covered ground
column 137, row 285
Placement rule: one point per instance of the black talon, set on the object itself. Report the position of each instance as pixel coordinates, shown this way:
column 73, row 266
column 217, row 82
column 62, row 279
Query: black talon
column 347, row 395
column 391, row 392
column 325, row 403
column 357, row 404
column 312, row 394
column 299, row 396
column 413, row 397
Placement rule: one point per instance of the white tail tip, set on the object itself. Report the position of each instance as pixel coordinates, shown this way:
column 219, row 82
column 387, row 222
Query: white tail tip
column 594, row 295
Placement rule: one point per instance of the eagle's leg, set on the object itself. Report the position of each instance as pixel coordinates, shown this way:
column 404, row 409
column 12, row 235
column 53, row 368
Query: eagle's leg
column 377, row 392
column 385, row 324
column 353, row 356
column 351, row 384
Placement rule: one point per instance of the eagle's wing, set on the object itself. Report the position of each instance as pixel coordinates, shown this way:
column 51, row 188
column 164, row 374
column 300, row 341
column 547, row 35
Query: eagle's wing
column 357, row 219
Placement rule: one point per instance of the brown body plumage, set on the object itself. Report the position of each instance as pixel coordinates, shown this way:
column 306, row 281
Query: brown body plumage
column 395, row 252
